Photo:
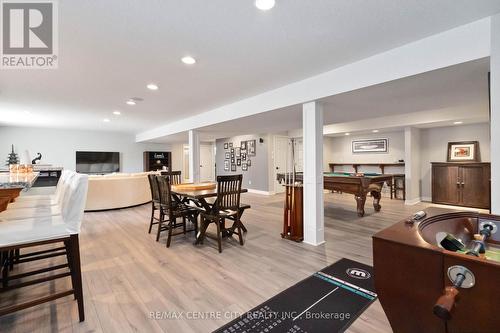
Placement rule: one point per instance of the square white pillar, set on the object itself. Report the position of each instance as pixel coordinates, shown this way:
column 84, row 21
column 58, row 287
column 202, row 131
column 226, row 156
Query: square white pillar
column 412, row 165
column 495, row 113
column 194, row 156
column 314, row 219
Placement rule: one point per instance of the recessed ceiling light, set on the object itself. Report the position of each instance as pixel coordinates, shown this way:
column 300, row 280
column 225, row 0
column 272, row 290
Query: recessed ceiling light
column 152, row 86
column 458, row 122
column 117, row 113
column 375, row 131
column 106, row 120
column 131, row 102
column 265, row 4
column 348, row 134
column 188, row 60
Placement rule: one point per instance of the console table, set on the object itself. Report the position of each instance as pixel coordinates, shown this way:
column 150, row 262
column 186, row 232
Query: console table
column 382, row 166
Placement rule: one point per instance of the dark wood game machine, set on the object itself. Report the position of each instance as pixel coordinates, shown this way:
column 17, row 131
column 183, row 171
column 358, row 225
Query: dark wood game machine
column 412, row 274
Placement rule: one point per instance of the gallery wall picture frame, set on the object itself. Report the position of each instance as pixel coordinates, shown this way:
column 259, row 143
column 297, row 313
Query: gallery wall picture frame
column 226, row 165
column 243, row 156
column 237, row 152
column 243, row 145
column 244, row 167
column 232, row 155
column 238, row 161
column 249, row 162
column 230, row 145
column 232, row 160
column 370, row 146
column 251, row 147
column 233, row 167
column 463, row 151
column 227, row 155
column 232, row 150
column 226, row 145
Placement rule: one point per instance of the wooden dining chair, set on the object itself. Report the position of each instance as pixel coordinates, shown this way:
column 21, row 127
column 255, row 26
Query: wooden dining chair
column 174, row 176
column 155, row 201
column 172, row 210
column 226, row 206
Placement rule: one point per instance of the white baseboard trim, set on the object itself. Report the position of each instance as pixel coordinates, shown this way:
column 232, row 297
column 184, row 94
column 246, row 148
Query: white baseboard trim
column 427, row 199
column 261, row 192
column 412, row 201
column 313, row 244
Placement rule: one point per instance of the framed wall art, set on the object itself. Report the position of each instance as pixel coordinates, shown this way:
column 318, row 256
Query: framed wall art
column 251, row 147
column 370, row 146
column 463, row 151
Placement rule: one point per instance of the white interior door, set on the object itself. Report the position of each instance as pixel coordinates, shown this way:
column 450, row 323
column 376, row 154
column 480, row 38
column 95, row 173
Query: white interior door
column 207, row 164
column 280, row 156
column 185, row 162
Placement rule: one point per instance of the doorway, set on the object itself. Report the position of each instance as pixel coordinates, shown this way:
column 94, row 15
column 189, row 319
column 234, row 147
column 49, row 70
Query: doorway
column 280, row 160
column 207, row 165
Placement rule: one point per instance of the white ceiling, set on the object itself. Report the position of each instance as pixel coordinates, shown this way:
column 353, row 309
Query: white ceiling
column 455, row 91
column 109, row 51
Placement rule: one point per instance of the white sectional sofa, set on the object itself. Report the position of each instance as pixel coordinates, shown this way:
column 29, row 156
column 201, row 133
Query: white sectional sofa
column 117, row 190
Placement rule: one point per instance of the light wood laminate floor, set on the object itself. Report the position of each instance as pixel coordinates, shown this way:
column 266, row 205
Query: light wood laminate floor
column 127, row 275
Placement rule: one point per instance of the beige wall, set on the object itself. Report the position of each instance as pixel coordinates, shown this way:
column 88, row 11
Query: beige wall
column 434, row 147
column 338, row 150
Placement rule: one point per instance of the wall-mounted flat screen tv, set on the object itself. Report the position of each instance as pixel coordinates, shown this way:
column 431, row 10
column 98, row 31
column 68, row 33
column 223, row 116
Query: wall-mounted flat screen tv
column 97, row 162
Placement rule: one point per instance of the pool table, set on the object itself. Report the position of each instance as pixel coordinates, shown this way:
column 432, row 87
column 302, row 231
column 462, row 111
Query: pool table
column 358, row 184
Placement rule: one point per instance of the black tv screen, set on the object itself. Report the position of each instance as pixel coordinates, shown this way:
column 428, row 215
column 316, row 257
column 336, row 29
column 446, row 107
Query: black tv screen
column 97, row 162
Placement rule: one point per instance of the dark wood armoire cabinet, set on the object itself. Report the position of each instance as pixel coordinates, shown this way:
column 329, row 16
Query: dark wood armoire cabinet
column 461, row 184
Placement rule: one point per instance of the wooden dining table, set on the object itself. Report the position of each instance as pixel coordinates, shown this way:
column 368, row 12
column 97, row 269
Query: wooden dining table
column 205, row 200
column 11, row 185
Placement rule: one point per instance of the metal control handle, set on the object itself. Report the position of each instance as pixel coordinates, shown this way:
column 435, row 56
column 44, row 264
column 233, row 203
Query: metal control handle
column 461, row 277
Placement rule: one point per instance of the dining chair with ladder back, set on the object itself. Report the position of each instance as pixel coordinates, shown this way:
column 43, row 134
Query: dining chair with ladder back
column 226, row 206
column 174, row 176
column 155, row 201
column 172, row 210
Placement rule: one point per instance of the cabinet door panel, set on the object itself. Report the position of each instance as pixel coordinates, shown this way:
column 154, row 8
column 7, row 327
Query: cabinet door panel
column 475, row 188
column 444, row 184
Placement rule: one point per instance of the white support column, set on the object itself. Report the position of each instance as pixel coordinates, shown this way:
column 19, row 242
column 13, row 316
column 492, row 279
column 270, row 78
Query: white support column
column 194, row 156
column 495, row 113
column 312, row 124
column 412, row 165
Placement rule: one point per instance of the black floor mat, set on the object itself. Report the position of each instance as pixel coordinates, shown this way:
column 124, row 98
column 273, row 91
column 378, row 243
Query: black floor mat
column 328, row 301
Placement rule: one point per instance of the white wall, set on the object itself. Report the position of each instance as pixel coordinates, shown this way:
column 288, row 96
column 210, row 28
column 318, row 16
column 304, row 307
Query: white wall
column 58, row 146
column 495, row 113
column 177, row 150
column 338, row 150
column 413, row 168
column 434, row 148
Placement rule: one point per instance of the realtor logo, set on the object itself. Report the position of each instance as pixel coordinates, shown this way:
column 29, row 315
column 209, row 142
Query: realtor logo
column 29, row 34
column 358, row 273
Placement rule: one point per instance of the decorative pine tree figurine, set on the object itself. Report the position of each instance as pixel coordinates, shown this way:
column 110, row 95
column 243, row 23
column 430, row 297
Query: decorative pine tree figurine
column 13, row 158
